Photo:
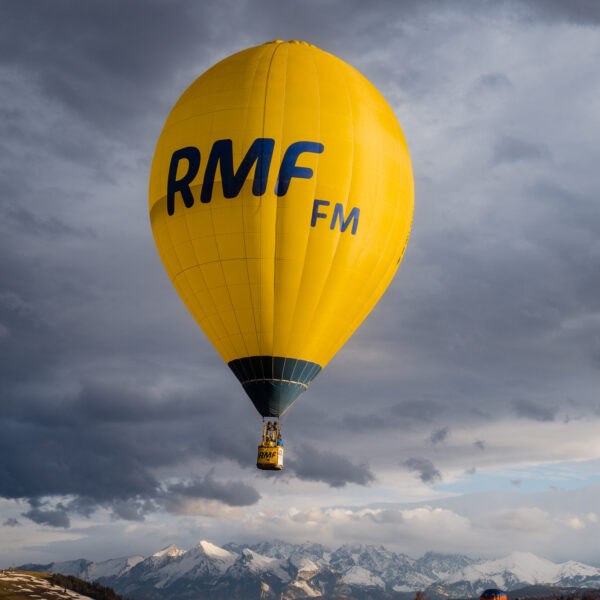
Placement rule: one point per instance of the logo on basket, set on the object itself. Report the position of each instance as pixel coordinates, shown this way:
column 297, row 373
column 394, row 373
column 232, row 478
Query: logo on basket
column 266, row 454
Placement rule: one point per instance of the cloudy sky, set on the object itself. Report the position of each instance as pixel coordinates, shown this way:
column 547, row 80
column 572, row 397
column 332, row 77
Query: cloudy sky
column 465, row 409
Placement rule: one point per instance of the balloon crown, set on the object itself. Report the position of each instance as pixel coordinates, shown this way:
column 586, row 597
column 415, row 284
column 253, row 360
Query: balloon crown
column 301, row 43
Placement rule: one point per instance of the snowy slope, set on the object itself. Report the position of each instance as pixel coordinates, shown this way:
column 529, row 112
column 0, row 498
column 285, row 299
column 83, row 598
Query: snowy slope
column 520, row 568
column 109, row 568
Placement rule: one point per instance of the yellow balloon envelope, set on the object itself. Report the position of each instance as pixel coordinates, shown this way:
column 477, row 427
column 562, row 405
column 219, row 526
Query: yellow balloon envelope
column 281, row 200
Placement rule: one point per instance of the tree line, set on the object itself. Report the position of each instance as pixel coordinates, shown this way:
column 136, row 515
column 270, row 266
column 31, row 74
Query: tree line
column 92, row 589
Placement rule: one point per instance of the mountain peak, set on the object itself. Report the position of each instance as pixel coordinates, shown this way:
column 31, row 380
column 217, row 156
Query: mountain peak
column 213, row 550
column 170, row 550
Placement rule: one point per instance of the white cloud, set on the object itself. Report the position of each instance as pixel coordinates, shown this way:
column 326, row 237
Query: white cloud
column 575, row 523
column 208, row 508
column 526, row 519
column 332, row 526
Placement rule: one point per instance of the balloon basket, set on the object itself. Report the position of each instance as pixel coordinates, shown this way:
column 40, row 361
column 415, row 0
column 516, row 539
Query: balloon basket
column 269, row 459
column 270, row 450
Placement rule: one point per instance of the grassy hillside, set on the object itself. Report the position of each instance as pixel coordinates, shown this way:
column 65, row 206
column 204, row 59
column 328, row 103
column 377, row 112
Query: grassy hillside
column 21, row 585
column 16, row 585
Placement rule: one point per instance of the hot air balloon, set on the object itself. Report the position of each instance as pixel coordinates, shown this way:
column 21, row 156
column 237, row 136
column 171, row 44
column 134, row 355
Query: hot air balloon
column 281, row 201
column 493, row 594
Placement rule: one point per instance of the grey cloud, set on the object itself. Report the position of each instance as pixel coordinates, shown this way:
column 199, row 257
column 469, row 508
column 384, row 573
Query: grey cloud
column 82, row 505
column 12, row 522
column 11, row 301
column 580, row 12
column 232, row 493
column 528, row 409
column 387, row 516
column 103, row 82
column 515, row 482
column 424, row 469
column 497, row 81
column 480, row 444
column 56, row 517
column 439, row 435
column 131, row 510
column 422, row 410
column 315, row 465
column 363, row 423
column 510, row 150
column 29, row 223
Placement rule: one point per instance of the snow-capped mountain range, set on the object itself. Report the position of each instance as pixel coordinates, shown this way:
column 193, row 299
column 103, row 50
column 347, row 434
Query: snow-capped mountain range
column 269, row 570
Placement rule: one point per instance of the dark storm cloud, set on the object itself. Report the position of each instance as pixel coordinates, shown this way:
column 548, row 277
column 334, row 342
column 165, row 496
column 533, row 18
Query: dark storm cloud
column 75, row 455
column 104, row 80
column 100, row 447
column 439, row 435
column 424, row 469
column 532, row 410
column 54, row 517
column 311, row 464
column 99, row 440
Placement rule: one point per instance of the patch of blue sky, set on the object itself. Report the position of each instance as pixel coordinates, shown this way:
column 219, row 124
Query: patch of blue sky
column 534, row 478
